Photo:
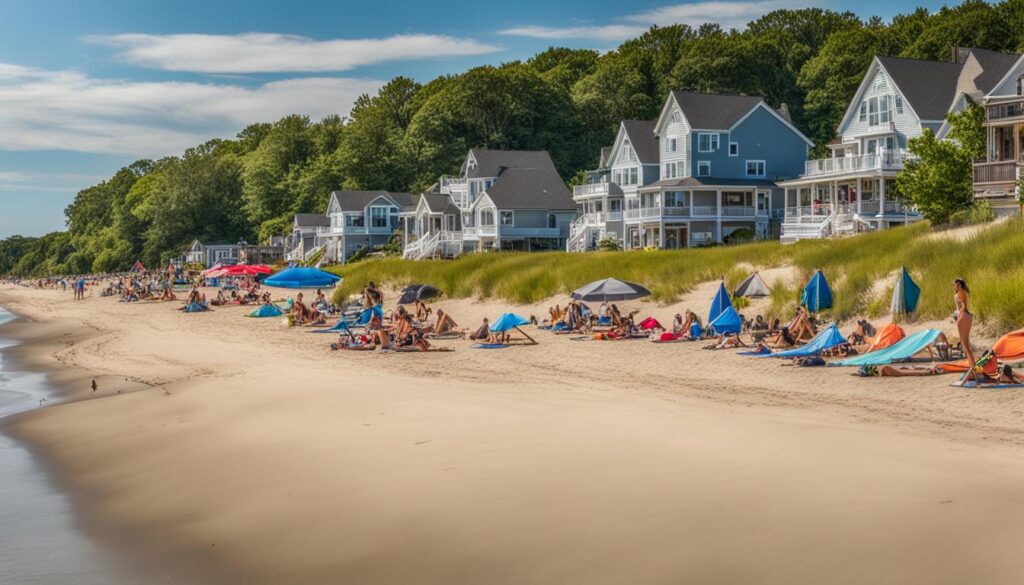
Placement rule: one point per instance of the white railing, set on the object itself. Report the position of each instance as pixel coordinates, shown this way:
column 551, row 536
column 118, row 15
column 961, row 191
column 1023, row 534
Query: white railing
column 631, row 214
column 448, row 182
column 844, row 164
column 705, row 210
column 478, row 231
column 311, row 252
column 737, row 211
column 590, row 189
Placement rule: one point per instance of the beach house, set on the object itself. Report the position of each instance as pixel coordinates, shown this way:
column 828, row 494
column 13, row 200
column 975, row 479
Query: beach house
column 500, row 200
column 997, row 177
column 853, row 189
column 302, row 243
column 210, row 254
column 358, row 220
column 705, row 170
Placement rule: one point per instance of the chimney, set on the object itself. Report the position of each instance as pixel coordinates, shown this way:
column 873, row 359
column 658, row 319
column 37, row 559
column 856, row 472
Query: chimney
column 784, row 112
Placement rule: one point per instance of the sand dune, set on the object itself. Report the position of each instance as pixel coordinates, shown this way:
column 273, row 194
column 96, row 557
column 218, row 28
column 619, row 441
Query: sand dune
column 254, row 447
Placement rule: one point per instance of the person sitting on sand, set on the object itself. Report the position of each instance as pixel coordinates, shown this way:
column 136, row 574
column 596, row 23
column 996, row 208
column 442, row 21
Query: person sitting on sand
column 445, row 323
column 371, row 296
column 602, row 314
column 555, row 314
column 689, row 321
column 616, row 317
column 221, row 300
column 303, row 315
column 423, row 311
column 677, row 325
column 483, row 332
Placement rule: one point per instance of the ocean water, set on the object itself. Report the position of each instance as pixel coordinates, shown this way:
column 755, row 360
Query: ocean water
column 40, row 543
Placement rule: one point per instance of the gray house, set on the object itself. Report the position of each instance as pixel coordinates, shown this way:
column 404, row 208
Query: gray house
column 501, row 200
column 358, row 220
column 303, row 240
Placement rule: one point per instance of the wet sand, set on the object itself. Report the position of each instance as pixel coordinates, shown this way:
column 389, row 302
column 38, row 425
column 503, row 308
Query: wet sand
column 255, row 449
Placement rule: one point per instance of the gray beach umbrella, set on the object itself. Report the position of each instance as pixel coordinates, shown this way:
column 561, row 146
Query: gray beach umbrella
column 610, row 289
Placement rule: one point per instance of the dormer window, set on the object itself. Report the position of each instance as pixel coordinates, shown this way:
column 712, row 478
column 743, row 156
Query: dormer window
column 677, row 116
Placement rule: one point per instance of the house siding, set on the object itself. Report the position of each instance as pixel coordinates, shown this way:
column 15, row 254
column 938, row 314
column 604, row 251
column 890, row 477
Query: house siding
column 907, row 125
column 761, row 136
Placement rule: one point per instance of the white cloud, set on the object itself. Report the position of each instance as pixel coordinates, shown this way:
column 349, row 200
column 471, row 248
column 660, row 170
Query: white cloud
column 726, row 13
column 272, row 52
column 32, row 182
column 67, row 110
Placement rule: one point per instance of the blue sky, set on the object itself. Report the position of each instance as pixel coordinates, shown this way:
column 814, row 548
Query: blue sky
column 87, row 87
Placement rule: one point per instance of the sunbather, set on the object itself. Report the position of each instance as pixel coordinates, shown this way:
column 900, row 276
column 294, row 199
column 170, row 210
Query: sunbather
column 726, row 341
column 371, row 296
column 690, row 320
column 423, row 311
column 483, row 332
column 445, row 323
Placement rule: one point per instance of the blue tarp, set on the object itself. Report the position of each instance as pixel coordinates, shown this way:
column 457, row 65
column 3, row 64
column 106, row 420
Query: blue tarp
column 727, row 322
column 902, row 350
column 507, row 322
column 267, row 311
column 720, row 303
column 905, row 295
column 817, row 295
column 827, row 339
column 302, row 277
column 367, row 315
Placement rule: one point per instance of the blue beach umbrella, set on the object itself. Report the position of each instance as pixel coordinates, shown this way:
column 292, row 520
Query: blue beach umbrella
column 817, row 295
column 508, row 322
column 905, row 295
column 302, row 277
column 728, row 321
column 720, row 303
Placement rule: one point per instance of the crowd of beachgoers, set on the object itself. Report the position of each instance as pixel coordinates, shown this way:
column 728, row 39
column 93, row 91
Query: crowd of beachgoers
column 414, row 323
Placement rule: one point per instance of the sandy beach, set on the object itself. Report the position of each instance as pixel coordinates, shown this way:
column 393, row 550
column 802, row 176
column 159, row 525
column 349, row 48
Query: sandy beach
column 252, row 450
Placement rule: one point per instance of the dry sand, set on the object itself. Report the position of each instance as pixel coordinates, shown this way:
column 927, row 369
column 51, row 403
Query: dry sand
column 255, row 448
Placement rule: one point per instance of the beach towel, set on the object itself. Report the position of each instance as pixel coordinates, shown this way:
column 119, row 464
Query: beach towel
column 827, row 339
column 1009, row 348
column 489, row 346
column 900, row 351
column 974, row 385
column 887, row 337
column 650, row 323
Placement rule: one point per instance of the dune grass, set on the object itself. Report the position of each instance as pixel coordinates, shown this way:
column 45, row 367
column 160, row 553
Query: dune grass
column 989, row 261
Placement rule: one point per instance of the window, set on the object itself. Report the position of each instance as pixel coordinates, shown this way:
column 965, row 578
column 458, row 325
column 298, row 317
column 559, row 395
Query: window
column 734, row 149
column 671, row 170
column 672, row 144
column 707, row 142
column 703, row 168
column 506, row 218
column 1020, row 85
column 899, row 104
column 353, row 220
column 880, row 82
column 755, row 168
column 863, row 111
column 878, row 110
column 552, row 221
column 449, row 223
column 884, row 107
column 676, row 116
column 627, row 152
column 379, row 217
column 486, row 217
column 628, row 176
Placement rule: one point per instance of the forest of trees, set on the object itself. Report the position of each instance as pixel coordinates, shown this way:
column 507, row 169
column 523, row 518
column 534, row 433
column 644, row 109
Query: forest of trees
column 566, row 101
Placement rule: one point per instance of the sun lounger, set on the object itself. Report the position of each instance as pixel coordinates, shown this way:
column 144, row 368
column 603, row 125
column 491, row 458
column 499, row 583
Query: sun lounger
column 898, row 352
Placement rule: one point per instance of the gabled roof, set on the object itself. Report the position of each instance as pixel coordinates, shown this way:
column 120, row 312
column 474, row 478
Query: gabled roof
column 311, row 220
column 714, row 111
column 358, row 200
column 490, row 163
column 606, row 153
column 405, row 201
column 994, row 66
column 531, row 189
column 642, row 138
column 929, row 86
column 436, row 203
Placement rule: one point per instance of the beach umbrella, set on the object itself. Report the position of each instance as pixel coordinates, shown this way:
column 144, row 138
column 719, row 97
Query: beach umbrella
column 905, row 295
column 728, row 321
column 508, row 322
column 753, row 286
column 817, row 294
column 650, row 323
column 417, row 292
column 610, row 289
column 302, row 277
column 720, row 303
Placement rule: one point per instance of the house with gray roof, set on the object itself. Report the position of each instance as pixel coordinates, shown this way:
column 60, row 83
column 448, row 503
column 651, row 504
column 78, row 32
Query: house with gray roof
column 357, row 220
column 997, row 178
column 853, row 190
column 500, row 200
column 704, row 169
column 302, row 243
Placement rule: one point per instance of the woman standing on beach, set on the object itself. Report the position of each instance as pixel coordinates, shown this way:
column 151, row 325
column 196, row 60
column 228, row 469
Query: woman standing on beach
column 964, row 319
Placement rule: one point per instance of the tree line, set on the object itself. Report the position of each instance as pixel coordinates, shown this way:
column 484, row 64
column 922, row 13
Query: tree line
column 566, row 101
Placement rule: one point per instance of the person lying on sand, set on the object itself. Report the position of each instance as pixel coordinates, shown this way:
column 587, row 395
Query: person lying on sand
column 726, row 341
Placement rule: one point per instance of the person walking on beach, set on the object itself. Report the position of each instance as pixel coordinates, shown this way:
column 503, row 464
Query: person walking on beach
column 80, row 289
column 964, row 319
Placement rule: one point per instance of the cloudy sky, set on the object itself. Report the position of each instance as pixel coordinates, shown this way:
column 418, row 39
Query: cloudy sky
column 87, row 87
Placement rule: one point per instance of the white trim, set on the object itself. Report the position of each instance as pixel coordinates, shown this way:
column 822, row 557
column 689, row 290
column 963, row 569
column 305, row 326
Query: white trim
column 777, row 115
column 671, row 99
column 857, row 99
column 500, row 220
column 764, row 167
column 737, row 145
column 705, row 162
column 715, row 142
column 1006, row 77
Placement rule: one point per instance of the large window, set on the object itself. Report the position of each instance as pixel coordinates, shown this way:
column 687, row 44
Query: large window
column 354, row 220
column 379, row 217
column 671, row 170
column 703, row 168
column 707, row 142
column 630, row 176
column 486, row 218
column 879, row 110
column 507, row 218
column 675, row 199
column 863, row 117
column 755, row 168
column 899, row 104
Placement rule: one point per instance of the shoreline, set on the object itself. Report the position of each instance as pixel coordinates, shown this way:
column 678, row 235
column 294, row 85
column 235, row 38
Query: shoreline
column 282, row 423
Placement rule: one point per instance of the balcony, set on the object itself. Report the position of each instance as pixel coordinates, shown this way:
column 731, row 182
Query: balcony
column 987, row 173
column 596, row 190
column 1004, row 112
column 702, row 211
column 887, row 161
column 353, row 230
column 446, row 183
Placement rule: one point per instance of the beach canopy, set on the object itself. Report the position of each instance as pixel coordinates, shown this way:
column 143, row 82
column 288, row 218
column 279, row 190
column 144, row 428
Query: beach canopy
column 302, row 277
column 905, row 295
column 508, row 322
column 267, row 311
column 887, row 336
column 212, row 269
column 417, row 292
column 720, row 303
column 753, row 286
column 817, row 294
column 901, row 351
column 610, row 289
column 728, row 321
column 650, row 323
column 1009, row 348
column 826, row 339
column 138, row 267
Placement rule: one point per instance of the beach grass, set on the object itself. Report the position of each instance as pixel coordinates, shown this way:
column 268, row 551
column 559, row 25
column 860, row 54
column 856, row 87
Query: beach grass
column 990, row 261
